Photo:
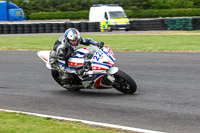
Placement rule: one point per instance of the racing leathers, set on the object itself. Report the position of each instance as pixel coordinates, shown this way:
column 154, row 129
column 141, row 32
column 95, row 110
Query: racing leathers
column 61, row 50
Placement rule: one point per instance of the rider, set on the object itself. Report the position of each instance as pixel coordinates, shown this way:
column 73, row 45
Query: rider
column 66, row 45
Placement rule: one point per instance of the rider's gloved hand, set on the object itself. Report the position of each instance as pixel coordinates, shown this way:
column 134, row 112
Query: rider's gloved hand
column 100, row 44
column 52, row 63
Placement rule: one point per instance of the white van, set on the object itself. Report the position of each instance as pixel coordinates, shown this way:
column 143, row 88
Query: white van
column 111, row 16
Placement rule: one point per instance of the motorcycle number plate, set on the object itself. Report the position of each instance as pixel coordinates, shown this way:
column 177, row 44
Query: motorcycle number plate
column 98, row 55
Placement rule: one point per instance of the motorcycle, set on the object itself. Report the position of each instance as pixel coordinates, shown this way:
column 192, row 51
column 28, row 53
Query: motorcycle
column 99, row 70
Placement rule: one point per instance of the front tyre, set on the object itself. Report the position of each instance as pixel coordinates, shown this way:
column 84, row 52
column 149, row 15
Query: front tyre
column 124, row 83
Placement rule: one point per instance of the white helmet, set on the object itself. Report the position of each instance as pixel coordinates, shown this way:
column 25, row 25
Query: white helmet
column 72, row 37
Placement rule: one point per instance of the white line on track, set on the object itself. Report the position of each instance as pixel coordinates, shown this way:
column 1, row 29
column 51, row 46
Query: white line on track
column 86, row 122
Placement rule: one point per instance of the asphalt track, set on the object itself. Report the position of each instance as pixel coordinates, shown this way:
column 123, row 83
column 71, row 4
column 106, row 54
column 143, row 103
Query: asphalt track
column 167, row 100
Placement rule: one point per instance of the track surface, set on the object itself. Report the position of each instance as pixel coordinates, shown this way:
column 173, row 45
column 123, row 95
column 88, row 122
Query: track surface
column 168, row 96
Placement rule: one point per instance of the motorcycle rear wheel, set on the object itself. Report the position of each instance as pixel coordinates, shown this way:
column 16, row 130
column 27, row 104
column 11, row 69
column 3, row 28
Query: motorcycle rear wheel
column 55, row 75
column 124, row 83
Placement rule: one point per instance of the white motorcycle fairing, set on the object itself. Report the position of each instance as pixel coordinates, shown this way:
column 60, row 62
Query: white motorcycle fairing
column 44, row 55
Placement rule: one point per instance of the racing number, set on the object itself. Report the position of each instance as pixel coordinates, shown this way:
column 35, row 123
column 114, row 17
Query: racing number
column 98, row 55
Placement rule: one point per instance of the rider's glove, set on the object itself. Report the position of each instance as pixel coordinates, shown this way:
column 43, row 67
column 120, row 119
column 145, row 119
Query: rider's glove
column 100, row 44
column 52, row 63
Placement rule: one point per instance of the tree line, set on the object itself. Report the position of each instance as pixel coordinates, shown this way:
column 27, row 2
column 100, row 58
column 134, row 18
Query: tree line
column 32, row 6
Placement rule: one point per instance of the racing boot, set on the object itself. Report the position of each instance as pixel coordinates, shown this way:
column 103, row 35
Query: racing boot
column 66, row 82
column 67, row 85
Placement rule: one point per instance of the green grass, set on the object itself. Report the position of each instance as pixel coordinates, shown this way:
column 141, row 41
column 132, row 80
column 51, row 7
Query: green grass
column 153, row 42
column 21, row 123
column 27, row 42
column 116, row 42
column 193, row 31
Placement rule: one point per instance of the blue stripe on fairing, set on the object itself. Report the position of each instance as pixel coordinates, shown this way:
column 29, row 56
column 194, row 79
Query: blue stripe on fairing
column 93, row 77
column 101, row 64
column 76, row 57
column 108, row 56
column 63, row 65
column 81, row 53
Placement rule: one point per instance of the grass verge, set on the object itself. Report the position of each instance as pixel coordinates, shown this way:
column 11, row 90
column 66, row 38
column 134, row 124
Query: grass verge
column 126, row 42
column 21, row 123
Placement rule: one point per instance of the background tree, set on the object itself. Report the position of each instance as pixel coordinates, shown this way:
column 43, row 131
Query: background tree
column 196, row 3
column 32, row 6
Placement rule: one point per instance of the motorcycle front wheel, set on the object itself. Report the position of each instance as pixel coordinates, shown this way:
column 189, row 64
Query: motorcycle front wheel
column 124, row 83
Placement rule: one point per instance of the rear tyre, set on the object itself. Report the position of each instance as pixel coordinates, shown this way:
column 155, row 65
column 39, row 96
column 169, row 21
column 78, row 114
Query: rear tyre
column 124, row 83
column 55, row 75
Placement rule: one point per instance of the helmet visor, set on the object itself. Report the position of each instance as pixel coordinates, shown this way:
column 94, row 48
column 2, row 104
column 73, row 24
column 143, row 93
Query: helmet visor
column 73, row 42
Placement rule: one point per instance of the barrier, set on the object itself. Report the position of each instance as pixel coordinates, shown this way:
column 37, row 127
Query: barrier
column 84, row 26
column 136, row 25
column 147, row 24
column 196, row 23
column 179, row 23
column 21, row 28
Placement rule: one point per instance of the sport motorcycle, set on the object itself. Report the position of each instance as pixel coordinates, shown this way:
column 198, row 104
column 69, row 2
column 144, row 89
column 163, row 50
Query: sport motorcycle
column 98, row 72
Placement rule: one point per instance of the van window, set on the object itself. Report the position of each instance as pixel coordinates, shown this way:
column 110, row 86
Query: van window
column 106, row 16
column 117, row 14
column 18, row 14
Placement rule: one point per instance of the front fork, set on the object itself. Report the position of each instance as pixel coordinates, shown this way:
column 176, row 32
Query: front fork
column 110, row 74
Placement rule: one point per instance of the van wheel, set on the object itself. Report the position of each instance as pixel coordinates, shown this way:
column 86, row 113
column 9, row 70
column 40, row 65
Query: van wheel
column 109, row 28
